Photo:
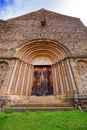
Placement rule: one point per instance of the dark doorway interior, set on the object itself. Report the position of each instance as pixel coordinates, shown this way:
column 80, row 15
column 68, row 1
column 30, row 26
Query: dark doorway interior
column 42, row 84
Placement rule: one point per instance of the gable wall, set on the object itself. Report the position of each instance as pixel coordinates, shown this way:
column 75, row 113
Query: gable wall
column 66, row 30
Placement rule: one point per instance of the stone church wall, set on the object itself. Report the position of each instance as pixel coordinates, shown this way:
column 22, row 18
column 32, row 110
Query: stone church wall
column 69, row 31
column 45, row 25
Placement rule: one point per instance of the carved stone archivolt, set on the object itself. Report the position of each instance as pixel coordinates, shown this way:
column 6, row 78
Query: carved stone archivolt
column 31, row 56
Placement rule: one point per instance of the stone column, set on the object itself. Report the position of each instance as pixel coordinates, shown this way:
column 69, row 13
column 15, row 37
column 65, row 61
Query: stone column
column 8, row 90
column 57, row 76
column 28, row 80
column 23, row 80
column 66, row 78
column 60, row 78
column 53, row 77
column 25, row 76
column 55, row 72
column 72, row 77
column 18, row 78
column 63, row 77
column 55, row 86
column 75, row 76
column 31, row 79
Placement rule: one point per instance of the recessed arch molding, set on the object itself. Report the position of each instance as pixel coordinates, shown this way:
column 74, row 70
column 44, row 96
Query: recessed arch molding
column 42, row 52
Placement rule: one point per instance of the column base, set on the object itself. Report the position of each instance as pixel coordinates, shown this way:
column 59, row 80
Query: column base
column 61, row 97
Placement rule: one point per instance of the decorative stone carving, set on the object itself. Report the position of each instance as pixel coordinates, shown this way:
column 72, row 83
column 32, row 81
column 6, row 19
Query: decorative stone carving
column 3, row 70
column 82, row 69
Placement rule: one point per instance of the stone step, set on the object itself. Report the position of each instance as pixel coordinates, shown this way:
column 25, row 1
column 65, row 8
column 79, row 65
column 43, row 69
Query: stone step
column 42, row 99
column 40, row 108
column 41, row 105
column 42, row 102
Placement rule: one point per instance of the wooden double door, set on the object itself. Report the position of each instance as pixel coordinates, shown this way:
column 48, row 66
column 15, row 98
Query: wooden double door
column 42, row 81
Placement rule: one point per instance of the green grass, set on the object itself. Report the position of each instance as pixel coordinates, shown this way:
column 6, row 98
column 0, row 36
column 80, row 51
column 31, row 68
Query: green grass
column 43, row 120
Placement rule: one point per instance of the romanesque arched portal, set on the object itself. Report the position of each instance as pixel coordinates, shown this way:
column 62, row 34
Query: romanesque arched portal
column 36, row 60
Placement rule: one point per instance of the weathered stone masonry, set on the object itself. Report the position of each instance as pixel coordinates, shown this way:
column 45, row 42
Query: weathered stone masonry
column 58, row 40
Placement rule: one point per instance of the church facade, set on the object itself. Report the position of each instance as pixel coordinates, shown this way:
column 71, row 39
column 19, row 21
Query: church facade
column 43, row 61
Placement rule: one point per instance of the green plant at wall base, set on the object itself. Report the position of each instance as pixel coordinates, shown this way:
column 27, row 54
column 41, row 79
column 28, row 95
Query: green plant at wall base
column 8, row 111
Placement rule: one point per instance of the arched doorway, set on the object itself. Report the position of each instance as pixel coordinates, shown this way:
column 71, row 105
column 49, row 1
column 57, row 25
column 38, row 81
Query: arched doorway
column 42, row 69
column 42, row 77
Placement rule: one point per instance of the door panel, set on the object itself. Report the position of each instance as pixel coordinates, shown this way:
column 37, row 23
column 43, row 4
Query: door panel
column 42, row 84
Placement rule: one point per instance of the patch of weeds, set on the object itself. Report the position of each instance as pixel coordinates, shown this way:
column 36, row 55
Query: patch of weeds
column 8, row 111
column 25, row 111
